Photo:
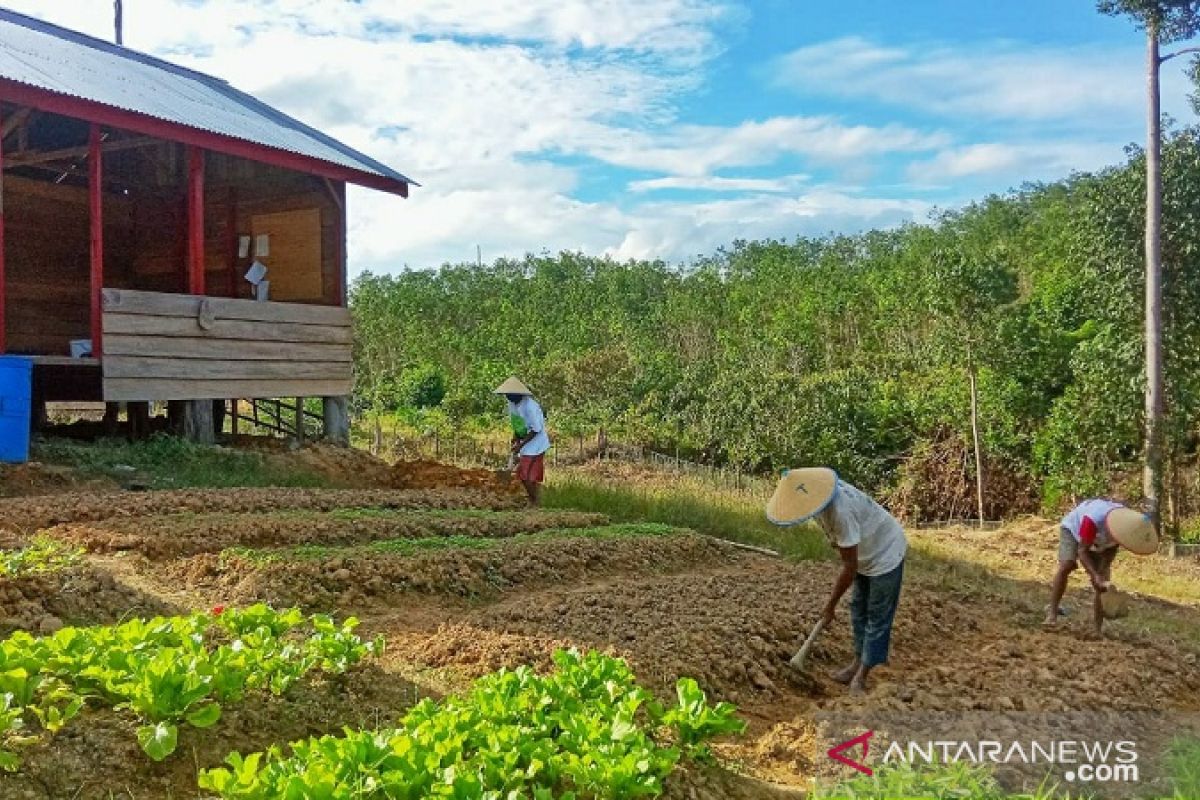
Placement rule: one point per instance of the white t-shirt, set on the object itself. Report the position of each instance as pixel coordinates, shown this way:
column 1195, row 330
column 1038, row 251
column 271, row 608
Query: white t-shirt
column 531, row 413
column 1097, row 511
column 852, row 518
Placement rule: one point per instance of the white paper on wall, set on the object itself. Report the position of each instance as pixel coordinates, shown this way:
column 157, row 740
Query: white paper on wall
column 262, row 245
column 256, row 273
column 243, row 247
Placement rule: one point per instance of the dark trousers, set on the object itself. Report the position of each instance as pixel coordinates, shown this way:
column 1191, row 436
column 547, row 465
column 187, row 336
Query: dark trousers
column 872, row 610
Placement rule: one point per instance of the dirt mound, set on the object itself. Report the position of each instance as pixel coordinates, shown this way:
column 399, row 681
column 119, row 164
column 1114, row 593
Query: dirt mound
column 434, row 474
column 32, row 514
column 83, row 595
column 349, row 581
column 171, row 536
column 352, row 468
column 344, row 466
column 34, row 478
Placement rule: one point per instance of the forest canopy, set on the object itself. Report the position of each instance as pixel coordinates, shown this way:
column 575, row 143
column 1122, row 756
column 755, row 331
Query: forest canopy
column 849, row 350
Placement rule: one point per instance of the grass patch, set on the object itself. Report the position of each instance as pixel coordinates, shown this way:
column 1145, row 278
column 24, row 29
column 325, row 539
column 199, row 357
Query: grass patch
column 168, row 462
column 687, row 504
column 1183, row 763
column 954, row 781
column 40, row 556
column 410, row 547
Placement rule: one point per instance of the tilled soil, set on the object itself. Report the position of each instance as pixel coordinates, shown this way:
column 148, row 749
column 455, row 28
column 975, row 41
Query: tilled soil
column 83, row 595
column 172, row 536
column 28, row 514
column 970, row 659
column 346, row 581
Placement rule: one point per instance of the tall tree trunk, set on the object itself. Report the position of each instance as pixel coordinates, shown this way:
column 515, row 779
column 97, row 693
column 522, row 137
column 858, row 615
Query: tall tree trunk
column 975, row 435
column 1152, row 472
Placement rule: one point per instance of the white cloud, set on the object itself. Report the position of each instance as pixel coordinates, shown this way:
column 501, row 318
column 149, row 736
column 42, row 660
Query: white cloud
column 990, row 80
column 699, row 228
column 494, row 105
column 698, row 150
column 710, row 183
column 1030, row 161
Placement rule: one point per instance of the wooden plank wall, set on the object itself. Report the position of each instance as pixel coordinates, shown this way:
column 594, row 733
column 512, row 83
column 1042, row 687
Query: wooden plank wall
column 184, row 347
column 46, row 259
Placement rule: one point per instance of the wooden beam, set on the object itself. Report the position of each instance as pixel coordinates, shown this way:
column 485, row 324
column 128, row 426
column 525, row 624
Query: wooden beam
column 221, row 369
column 195, row 215
column 233, row 350
column 31, row 159
column 339, row 232
column 15, row 121
column 132, row 389
column 139, row 325
column 159, row 304
column 96, row 206
column 231, row 235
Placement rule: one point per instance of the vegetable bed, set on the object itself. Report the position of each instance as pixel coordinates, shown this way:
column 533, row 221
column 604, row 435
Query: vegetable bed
column 165, row 672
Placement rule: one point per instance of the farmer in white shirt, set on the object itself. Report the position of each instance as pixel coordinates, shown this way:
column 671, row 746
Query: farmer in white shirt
column 530, row 440
column 872, row 547
column 1090, row 535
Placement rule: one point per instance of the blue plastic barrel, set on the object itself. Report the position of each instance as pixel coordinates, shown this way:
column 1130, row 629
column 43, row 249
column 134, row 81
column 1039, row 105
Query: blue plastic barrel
column 16, row 386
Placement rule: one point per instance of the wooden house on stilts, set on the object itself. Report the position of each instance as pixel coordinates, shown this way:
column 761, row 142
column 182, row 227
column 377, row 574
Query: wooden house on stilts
column 135, row 196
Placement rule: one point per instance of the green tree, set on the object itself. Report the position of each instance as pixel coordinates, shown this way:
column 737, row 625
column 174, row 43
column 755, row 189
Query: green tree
column 1165, row 22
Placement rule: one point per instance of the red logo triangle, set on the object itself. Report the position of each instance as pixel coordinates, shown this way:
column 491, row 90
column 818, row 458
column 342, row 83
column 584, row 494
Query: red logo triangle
column 837, row 752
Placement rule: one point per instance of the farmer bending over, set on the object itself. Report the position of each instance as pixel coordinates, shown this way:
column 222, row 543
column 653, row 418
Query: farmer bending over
column 872, row 546
column 529, row 440
column 1090, row 535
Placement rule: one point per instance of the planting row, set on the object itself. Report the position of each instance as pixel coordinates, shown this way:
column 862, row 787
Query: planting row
column 167, row 536
column 164, row 671
column 28, row 514
column 324, row 577
column 586, row 730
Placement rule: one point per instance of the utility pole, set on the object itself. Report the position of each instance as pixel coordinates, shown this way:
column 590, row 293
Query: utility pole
column 117, row 22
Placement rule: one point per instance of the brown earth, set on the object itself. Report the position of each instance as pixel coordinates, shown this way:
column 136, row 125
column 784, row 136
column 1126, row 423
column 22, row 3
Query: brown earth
column 29, row 514
column 25, row 480
column 970, row 658
column 353, row 579
column 174, row 535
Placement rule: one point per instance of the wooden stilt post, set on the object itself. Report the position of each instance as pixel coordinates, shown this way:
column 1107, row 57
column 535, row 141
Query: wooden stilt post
column 335, row 411
column 198, row 421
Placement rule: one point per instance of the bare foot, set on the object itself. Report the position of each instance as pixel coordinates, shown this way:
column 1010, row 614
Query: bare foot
column 846, row 674
column 858, row 686
column 1050, row 622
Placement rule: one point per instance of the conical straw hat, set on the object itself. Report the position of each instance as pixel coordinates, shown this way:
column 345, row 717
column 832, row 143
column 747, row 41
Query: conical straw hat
column 1132, row 530
column 801, row 495
column 513, row 386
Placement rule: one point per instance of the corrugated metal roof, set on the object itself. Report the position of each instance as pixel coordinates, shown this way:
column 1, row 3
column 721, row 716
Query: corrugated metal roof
column 55, row 59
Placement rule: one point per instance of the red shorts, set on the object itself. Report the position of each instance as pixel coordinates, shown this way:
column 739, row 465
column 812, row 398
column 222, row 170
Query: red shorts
column 532, row 468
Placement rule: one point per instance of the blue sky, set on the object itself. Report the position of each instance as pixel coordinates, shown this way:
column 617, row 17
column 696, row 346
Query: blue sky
column 666, row 128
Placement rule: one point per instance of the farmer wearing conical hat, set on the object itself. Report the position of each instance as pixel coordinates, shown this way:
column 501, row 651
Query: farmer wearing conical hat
column 530, row 440
column 872, row 546
column 1090, row 535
